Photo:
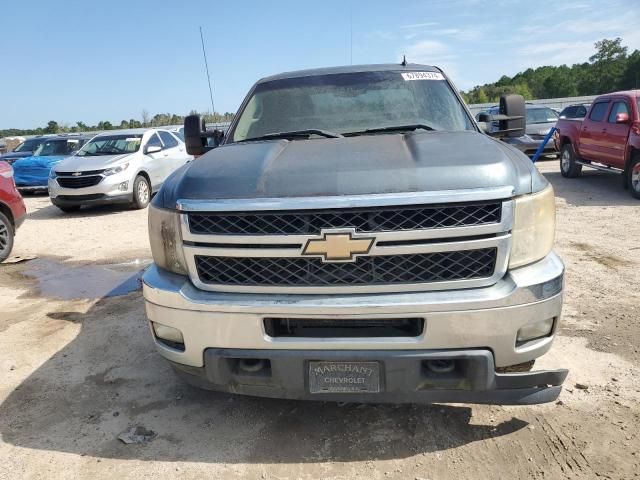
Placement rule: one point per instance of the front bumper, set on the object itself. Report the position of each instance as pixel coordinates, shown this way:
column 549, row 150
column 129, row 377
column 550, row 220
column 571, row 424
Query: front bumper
column 479, row 320
column 405, row 377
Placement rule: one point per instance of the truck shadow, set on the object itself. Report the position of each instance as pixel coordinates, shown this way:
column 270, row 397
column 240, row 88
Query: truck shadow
column 591, row 188
column 109, row 378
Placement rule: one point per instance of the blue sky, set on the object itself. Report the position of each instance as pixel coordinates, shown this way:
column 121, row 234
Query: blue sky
column 108, row 60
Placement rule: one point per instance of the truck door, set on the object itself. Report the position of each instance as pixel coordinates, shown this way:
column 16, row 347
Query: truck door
column 615, row 140
column 593, row 130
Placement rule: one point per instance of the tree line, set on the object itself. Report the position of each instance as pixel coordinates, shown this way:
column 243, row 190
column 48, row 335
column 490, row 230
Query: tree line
column 146, row 120
column 611, row 68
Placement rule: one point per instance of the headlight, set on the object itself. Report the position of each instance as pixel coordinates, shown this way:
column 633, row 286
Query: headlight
column 52, row 174
column 533, row 228
column 114, row 170
column 166, row 240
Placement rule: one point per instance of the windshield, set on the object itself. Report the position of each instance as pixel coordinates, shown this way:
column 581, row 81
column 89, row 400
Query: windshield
column 52, row 148
column 541, row 115
column 351, row 102
column 111, row 145
column 29, row 145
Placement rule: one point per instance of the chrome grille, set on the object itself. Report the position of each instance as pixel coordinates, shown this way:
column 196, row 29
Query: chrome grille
column 372, row 270
column 383, row 219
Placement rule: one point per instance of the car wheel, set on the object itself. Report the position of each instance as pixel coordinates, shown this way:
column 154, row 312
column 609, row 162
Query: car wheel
column 634, row 176
column 6, row 237
column 69, row 208
column 141, row 192
column 568, row 166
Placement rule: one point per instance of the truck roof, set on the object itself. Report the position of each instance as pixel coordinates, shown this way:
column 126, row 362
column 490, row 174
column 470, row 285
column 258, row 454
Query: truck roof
column 623, row 93
column 410, row 67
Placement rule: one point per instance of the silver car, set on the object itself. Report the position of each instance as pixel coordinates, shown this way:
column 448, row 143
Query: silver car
column 124, row 166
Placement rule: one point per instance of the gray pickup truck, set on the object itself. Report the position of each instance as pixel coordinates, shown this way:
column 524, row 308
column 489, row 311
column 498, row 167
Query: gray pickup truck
column 356, row 236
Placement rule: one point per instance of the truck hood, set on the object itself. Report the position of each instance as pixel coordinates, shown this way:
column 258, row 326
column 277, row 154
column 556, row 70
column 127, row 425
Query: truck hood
column 98, row 162
column 370, row 164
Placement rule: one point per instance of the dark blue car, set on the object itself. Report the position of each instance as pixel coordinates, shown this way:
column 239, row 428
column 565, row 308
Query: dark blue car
column 32, row 173
column 25, row 149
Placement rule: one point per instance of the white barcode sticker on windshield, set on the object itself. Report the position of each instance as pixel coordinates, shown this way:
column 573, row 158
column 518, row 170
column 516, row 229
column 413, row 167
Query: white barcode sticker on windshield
column 422, row 76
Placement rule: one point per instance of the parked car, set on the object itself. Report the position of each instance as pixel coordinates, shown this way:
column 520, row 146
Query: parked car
column 357, row 237
column 12, row 210
column 575, row 111
column 32, row 173
column 25, row 149
column 539, row 121
column 126, row 166
column 607, row 139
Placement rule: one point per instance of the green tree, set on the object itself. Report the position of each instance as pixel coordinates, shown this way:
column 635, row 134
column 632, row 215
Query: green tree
column 52, row 127
column 609, row 64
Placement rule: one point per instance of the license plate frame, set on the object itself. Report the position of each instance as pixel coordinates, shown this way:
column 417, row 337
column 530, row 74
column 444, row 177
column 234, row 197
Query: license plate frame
column 344, row 377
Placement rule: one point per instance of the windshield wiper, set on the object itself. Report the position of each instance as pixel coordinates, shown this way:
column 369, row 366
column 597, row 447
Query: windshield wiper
column 394, row 128
column 295, row 133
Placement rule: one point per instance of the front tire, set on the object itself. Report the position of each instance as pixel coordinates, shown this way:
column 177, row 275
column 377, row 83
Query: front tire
column 141, row 192
column 633, row 175
column 6, row 237
column 568, row 165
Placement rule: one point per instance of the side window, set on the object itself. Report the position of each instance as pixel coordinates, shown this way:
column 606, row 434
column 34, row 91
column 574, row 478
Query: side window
column 598, row 111
column 154, row 141
column 618, row 107
column 168, row 139
column 581, row 112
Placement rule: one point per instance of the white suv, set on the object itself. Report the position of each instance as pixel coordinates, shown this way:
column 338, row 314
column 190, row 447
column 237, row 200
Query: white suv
column 124, row 166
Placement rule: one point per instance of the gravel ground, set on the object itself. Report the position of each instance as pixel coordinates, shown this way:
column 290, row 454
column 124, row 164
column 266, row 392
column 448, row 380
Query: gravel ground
column 78, row 370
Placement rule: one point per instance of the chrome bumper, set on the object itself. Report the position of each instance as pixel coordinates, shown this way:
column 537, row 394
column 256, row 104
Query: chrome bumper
column 487, row 318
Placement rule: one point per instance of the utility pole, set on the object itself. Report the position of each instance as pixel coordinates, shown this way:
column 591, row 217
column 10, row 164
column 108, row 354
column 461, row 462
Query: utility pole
column 206, row 66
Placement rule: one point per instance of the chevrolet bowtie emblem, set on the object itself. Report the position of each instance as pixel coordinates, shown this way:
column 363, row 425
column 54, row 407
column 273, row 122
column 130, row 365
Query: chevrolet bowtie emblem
column 338, row 246
column 76, row 174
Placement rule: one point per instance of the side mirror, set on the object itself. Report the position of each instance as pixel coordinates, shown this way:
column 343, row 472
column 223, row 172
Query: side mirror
column 196, row 137
column 622, row 118
column 509, row 122
column 512, row 107
column 152, row 149
column 194, row 128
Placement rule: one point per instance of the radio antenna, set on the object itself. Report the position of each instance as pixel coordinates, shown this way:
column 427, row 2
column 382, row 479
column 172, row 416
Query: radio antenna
column 206, row 66
column 351, row 31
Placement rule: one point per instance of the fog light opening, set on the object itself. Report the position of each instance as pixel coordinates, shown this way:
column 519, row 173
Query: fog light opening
column 251, row 365
column 535, row 331
column 169, row 336
column 124, row 186
column 441, row 366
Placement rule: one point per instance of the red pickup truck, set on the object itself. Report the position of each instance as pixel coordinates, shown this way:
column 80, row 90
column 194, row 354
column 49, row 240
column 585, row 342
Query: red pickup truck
column 608, row 138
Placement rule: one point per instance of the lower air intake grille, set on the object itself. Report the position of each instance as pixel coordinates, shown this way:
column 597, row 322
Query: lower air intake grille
column 373, row 270
column 341, row 328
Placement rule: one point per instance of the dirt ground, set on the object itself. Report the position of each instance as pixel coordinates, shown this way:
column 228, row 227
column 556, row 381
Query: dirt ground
column 77, row 369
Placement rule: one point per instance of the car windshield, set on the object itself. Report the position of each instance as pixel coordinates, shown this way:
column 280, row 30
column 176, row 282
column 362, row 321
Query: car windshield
column 541, row 115
column 29, row 145
column 351, row 103
column 52, row 148
column 111, row 145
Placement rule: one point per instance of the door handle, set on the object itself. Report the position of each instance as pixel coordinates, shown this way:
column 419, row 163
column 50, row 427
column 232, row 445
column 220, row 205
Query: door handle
column 604, row 130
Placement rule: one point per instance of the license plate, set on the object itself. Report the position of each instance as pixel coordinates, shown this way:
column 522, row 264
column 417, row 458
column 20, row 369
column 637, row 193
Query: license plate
column 344, row 377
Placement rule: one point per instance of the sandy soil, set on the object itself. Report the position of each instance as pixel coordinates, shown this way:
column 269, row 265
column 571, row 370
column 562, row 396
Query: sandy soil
column 77, row 368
